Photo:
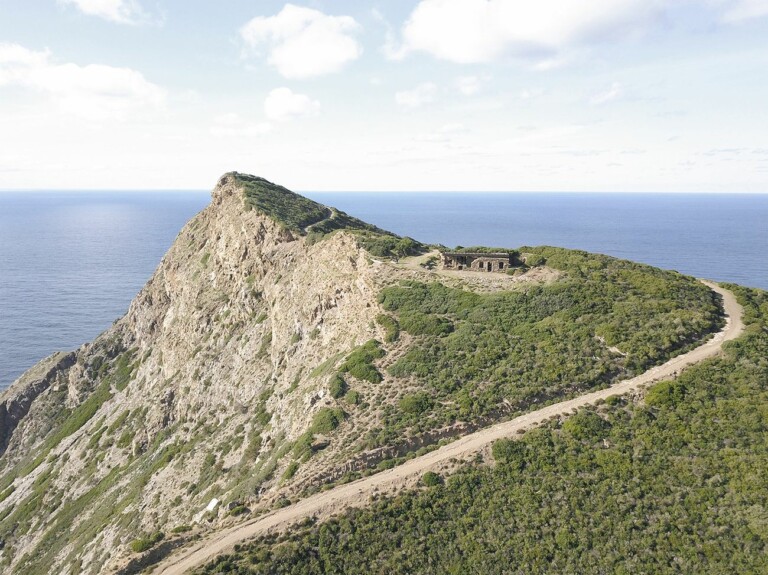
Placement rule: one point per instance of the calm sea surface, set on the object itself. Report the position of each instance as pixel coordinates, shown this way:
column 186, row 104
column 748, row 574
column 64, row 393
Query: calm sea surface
column 70, row 263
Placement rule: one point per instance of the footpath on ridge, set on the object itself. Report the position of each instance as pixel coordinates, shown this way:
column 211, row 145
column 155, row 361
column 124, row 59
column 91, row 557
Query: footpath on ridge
column 358, row 493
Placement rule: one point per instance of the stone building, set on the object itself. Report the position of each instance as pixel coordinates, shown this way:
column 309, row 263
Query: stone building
column 477, row 261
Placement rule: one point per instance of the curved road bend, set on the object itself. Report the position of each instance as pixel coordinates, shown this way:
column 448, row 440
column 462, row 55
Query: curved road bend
column 358, row 492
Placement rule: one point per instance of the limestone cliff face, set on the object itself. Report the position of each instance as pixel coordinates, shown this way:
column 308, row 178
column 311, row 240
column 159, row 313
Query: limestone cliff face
column 196, row 393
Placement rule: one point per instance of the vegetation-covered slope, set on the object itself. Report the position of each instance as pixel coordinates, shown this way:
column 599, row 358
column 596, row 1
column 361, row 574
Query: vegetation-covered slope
column 675, row 484
column 475, row 356
column 307, row 217
column 282, row 205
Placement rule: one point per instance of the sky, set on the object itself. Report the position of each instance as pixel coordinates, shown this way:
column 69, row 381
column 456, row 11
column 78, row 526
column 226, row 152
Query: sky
column 440, row 95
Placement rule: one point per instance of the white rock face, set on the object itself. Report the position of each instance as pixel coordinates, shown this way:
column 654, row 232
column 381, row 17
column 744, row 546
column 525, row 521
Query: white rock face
column 195, row 395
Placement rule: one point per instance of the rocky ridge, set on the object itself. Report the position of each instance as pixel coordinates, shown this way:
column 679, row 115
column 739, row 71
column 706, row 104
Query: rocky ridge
column 211, row 366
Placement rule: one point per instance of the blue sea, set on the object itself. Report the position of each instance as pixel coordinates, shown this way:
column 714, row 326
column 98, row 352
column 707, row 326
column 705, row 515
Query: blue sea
column 70, row 262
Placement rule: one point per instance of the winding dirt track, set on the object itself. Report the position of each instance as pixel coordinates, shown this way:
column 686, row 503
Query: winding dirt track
column 358, row 492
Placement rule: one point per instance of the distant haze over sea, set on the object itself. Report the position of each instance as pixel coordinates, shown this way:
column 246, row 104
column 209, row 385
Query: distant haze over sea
column 71, row 262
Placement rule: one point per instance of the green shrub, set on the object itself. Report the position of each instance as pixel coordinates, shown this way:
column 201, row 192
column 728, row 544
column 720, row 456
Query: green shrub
column 665, row 394
column 416, row 403
column 282, row 502
column 253, row 448
column 314, row 237
column 327, row 419
column 291, row 470
column 302, row 448
column 586, row 425
column 359, row 363
column 390, row 325
column 338, row 387
column 417, row 323
column 534, row 260
column 386, row 245
column 238, row 510
column 7, row 493
column 430, row 263
column 431, row 479
column 509, row 452
column 353, row 397
column 118, row 423
column 143, row 543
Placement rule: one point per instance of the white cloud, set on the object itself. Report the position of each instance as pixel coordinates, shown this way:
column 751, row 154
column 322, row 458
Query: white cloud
column 456, row 128
column 469, row 85
column 232, row 125
column 742, row 10
column 552, row 63
column 302, row 42
column 94, row 91
column 283, row 104
column 612, row 93
column 420, row 95
column 446, row 133
column 531, row 94
column 121, row 11
column 468, row 31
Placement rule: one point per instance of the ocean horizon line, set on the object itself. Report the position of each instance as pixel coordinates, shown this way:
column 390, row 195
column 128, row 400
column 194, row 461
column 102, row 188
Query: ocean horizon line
column 329, row 191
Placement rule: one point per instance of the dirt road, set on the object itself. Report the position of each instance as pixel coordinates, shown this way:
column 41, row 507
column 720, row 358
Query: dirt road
column 358, row 492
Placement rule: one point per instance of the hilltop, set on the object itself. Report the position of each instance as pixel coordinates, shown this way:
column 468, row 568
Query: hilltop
column 283, row 346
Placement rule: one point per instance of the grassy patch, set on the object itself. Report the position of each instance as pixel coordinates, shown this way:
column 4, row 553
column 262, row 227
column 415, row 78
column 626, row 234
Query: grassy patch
column 337, row 387
column 145, row 543
column 76, row 419
column 390, row 325
column 289, row 209
column 359, row 363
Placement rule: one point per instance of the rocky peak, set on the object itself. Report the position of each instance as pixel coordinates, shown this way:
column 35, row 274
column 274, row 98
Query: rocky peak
column 199, row 391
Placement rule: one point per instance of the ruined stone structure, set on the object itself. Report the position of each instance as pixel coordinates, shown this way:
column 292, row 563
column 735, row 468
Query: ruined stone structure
column 477, row 261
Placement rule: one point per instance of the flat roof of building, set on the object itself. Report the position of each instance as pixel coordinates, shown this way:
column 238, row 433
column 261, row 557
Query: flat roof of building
column 478, row 254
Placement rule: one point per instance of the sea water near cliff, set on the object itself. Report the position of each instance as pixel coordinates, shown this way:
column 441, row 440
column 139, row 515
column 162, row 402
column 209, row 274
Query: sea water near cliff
column 70, row 262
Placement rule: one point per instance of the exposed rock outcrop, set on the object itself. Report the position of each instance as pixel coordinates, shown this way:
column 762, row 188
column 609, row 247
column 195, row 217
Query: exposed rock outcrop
column 16, row 403
column 198, row 391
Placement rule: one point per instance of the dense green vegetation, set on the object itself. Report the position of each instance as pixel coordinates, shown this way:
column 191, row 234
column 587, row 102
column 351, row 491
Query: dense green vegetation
column 325, row 421
column 359, row 363
column 386, row 245
column 484, row 355
column 141, row 544
column 293, row 211
column 486, row 250
column 675, row 485
column 338, row 387
column 305, row 216
column 391, row 327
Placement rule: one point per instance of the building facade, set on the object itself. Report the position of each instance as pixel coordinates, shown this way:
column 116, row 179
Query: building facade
column 481, row 262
